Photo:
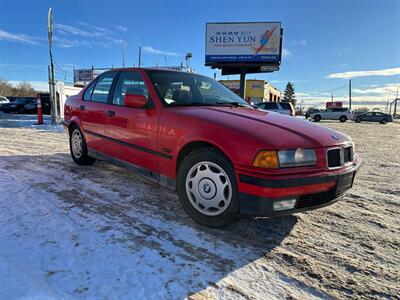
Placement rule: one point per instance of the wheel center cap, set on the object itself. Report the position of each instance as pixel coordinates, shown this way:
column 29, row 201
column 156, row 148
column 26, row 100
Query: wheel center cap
column 207, row 188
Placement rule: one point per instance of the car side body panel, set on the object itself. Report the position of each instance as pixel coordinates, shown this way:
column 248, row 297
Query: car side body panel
column 154, row 138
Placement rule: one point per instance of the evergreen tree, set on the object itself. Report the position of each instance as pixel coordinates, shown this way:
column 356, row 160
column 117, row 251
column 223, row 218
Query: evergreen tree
column 289, row 94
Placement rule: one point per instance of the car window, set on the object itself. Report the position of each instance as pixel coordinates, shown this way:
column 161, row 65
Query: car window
column 286, row 105
column 102, row 87
column 379, row 114
column 261, row 105
column 129, row 83
column 270, row 105
column 88, row 93
column 369, row 114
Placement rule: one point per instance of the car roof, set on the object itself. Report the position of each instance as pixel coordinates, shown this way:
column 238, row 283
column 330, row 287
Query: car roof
column 149, row 69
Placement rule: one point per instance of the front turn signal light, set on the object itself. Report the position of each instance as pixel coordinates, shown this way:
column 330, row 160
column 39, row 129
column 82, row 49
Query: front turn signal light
column 266, row 159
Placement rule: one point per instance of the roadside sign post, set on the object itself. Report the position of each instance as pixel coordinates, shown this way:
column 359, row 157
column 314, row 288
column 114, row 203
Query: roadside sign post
column 244, row 47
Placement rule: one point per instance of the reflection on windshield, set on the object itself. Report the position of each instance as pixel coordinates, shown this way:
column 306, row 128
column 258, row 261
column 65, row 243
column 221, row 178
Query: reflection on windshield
column 186, row 89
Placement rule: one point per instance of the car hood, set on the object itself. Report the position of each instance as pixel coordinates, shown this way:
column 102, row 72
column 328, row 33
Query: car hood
column 277, row 130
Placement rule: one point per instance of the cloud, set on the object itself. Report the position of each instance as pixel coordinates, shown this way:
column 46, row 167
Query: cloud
column 353, row 74
column 373, row 96
column 286, row 53
column 121, row 28
column 151, row 50
column 387, row 89
column 298, row 43
column 23, row 38
column 71, row 30
column 94, row 36
column 21, row 66
column 292, row 81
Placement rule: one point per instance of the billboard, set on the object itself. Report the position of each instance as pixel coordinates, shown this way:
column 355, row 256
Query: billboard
column 83, row 75
column 243, row 43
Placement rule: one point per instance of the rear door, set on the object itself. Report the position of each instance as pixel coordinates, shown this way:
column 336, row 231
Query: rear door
column 93, row 110
column 132, row 132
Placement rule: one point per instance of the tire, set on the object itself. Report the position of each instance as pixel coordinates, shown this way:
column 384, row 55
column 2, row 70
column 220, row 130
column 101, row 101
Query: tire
column 21, row 110
column 78, row 148
column 358, row 120
column 343, row 119
column 317, row 118
column 383, row 121
column 207, row 188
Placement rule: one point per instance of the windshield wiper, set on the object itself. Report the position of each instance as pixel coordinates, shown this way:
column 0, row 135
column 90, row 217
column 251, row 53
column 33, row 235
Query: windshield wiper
column 232, row 103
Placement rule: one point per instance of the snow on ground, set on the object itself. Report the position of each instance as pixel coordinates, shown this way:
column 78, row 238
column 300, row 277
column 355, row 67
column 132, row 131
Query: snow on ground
column 101, row 232
column 27, row 121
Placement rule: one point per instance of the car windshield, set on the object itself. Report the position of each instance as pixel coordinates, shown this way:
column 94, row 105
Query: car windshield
column 187, row 89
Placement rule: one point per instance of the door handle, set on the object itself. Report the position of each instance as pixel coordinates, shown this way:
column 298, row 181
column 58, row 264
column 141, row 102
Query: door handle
column 110, row 113
column 82, row 107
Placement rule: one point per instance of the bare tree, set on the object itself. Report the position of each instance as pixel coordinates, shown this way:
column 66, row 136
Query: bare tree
column 22, row 89
column 6, row 88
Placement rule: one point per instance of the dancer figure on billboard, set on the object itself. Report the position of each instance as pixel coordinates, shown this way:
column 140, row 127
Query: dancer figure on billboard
column 264, row 40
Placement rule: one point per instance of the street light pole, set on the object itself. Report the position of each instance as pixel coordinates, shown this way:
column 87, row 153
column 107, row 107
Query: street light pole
column 51, row 70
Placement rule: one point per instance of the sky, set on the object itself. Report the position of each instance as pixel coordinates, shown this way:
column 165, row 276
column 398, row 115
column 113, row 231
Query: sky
column 325, row 43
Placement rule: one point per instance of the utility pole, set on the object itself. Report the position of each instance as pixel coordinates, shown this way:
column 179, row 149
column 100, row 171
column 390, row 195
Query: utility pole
column 140, row 57
column 350, row 94
column 123, row 55
column 387, row 104
column 332, row 98
column 395, row 103
column 51, row 69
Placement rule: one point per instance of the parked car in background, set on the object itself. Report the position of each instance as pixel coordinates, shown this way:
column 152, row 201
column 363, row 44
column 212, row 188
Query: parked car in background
column 3, row 100
column 21, row 105
column 373, row 117
column 285, row 108
column 310, row 111
column 341, row 114
column 193, row 135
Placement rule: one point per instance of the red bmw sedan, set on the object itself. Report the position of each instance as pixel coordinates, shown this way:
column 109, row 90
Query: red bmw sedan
column 193, row 135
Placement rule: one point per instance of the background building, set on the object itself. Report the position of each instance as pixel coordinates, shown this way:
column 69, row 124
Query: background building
column 255, row 91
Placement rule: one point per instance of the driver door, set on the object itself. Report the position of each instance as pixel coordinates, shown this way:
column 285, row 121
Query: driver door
column 132, row 132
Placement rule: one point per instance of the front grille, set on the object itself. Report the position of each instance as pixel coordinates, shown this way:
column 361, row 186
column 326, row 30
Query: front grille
column 316, row 199
column 337, row 157
column 334, row 158
column 348, row 154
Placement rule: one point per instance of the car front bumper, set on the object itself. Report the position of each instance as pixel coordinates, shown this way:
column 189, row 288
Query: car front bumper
column 258, row 195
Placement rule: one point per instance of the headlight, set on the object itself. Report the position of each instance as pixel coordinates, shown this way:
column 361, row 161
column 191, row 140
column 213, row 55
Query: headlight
column 297, row 158
column 285, row 158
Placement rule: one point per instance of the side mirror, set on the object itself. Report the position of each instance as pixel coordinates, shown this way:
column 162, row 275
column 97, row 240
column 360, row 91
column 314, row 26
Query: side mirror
column 135, row 100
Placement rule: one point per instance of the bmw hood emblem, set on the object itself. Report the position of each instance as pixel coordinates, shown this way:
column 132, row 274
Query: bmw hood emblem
column 335, row 137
